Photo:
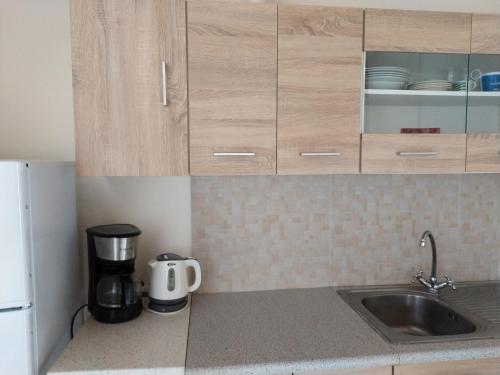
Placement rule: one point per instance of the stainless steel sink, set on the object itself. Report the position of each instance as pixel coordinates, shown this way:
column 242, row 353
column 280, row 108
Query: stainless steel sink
column 417, row 315
column 411, row 315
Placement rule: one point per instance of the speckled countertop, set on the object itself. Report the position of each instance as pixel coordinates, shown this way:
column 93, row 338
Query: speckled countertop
column 273, row 332
column 148, row 345
column 278, row 332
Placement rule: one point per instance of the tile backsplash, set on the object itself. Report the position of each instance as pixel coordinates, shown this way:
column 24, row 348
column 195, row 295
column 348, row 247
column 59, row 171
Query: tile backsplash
column 275, row 232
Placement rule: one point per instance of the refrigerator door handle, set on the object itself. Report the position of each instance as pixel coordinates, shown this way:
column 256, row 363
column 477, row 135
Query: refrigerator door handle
column 18, row 308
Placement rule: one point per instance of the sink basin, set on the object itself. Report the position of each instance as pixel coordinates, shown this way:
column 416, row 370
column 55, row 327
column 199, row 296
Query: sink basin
column 417, row 315
column 407, row 315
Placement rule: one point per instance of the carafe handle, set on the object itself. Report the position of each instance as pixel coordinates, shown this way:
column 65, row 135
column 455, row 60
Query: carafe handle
column 193, row 263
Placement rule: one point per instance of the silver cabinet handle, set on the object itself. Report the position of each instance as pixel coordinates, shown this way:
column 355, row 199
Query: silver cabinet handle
column 234, row 153
column 423, row 153
column 319, row 154
column 164, row 74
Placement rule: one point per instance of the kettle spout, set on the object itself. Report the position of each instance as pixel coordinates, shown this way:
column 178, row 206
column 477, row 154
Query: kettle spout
column 152, row 263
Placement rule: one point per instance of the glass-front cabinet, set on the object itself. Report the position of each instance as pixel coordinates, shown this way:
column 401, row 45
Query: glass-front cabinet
column 415, row 112
column 431, row 101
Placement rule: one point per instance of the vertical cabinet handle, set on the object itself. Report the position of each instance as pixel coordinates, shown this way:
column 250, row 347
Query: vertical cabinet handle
column 164, row 74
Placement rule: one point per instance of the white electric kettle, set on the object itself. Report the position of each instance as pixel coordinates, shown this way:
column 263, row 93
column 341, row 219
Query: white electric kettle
column 169, row 287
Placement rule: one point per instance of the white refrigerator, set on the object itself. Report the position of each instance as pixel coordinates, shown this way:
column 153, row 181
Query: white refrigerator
column 39, row 263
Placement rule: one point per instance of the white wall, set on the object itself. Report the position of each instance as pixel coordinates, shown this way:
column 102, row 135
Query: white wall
column 36, row 102
column 159, row 206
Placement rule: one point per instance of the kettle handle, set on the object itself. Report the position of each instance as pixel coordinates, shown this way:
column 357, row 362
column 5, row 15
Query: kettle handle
column 195, row 265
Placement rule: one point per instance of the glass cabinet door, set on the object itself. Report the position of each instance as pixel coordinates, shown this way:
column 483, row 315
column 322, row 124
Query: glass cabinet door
column 483, row 112
column 415, row 93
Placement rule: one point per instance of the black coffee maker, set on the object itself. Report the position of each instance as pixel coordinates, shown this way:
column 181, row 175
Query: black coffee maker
column 114, row 294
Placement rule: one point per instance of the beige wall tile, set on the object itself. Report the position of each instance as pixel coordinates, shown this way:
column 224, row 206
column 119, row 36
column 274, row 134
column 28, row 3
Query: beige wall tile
column 479, row 251
column 377, row 222
column 257, row 233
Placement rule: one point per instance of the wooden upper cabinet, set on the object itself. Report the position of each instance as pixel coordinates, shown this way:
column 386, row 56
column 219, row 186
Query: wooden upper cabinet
column 417, row 31
column 232, row 64
column 485, row 33
column 319, row 83
column 123, row 127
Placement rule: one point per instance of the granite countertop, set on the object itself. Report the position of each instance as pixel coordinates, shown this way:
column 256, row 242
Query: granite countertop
column 278, row 332
column 150, row 344
column 271, row 332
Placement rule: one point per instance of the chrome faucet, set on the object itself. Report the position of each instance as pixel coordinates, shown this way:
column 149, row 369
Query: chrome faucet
column 433, row 285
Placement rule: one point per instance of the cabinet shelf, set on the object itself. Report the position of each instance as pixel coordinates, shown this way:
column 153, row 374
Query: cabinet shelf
column 419, row 93
column 488, row 94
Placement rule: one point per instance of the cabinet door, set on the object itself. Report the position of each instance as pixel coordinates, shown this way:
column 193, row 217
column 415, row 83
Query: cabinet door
column 483, row 153
column 417, row 31
column 483, row 112
column 130, row 120
column 475, row 367
column 485, row 33
column 319, row 75
column 413, row 153
column 232, row 49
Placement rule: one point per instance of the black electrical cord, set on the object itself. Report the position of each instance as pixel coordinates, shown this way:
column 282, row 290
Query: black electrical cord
column 74, row 317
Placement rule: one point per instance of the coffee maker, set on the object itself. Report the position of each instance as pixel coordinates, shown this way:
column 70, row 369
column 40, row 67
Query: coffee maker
column 114, row 293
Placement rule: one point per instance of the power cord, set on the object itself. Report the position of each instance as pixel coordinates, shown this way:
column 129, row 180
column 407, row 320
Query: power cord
column 74, row 317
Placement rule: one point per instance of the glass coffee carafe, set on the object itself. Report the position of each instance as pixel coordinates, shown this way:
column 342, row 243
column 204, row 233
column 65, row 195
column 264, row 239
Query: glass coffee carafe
column 116, row 291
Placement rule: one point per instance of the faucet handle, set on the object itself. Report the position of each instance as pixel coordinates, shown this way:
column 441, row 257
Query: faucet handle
column 450, row 282
column 417, row 276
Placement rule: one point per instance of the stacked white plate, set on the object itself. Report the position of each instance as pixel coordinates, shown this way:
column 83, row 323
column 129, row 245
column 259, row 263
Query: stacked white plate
column 432, row 85
column 387, row 77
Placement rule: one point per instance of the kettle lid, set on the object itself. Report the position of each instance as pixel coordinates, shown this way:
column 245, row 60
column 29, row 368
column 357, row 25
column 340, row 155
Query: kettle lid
column 169, row 256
